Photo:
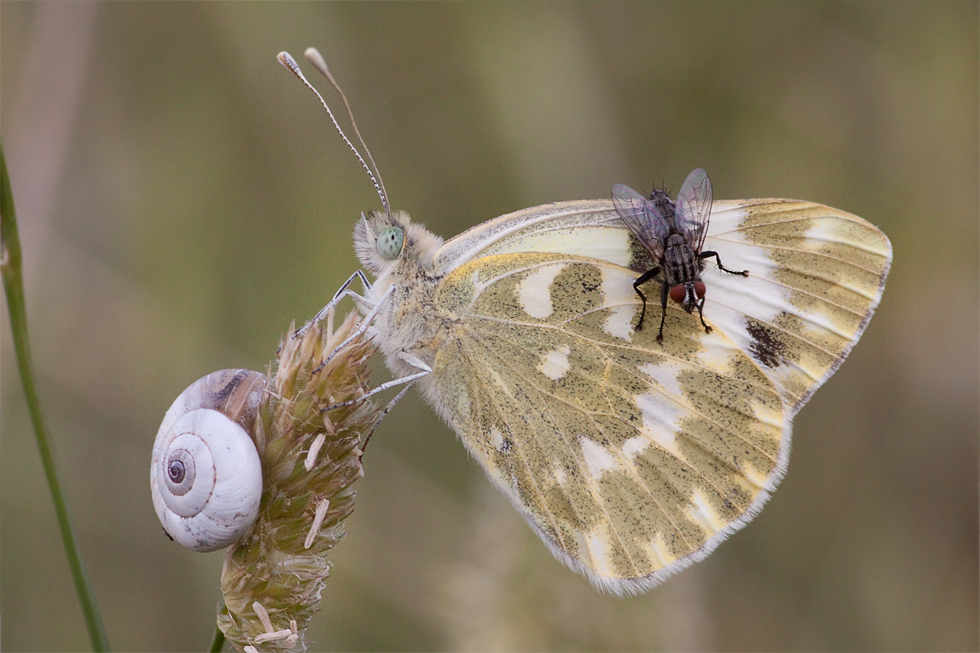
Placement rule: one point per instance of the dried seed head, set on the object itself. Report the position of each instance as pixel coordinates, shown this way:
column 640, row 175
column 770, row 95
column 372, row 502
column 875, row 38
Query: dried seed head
column 272, row 580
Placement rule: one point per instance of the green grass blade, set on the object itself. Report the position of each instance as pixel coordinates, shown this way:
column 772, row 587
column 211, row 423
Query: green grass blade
column 10, row 268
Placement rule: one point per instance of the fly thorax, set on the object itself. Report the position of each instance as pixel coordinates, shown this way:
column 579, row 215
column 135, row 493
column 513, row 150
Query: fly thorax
column 664, row 204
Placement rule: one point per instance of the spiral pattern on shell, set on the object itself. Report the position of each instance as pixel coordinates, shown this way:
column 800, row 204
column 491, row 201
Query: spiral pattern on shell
column 206, row 475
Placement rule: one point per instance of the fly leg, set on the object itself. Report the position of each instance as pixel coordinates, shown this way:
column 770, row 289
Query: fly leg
column 664, row 293
column 700, row 305
column 707, row 255
column 646, row 276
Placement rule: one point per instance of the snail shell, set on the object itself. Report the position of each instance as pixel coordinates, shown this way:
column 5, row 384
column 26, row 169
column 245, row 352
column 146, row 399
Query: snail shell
column 206, row 476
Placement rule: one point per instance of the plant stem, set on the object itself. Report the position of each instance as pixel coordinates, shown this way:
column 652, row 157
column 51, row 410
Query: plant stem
column 218, row 642
column 10, row 268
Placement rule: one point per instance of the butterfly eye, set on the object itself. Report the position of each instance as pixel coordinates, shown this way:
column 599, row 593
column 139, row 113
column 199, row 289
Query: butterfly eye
column 390, row 242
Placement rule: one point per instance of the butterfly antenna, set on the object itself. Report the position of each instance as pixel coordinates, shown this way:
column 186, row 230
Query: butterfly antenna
column 316, row 59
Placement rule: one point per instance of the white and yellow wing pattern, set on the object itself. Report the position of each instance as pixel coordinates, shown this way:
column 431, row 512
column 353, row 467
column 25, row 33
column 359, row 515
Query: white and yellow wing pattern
column 630, row 459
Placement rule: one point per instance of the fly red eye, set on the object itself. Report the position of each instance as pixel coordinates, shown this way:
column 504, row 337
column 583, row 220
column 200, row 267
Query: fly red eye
column 678, row 293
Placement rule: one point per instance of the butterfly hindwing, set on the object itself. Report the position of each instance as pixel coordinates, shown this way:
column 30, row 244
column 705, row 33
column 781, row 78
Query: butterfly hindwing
column 629, row 462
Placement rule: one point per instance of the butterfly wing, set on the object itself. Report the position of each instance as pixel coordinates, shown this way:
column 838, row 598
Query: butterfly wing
column 643, row 218
column 816, row 275
column 582, row 227
column 630, row 460
column 694, row 208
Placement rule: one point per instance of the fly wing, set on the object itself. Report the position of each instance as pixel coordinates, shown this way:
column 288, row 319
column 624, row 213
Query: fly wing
column 642, row 217
column 694, row 208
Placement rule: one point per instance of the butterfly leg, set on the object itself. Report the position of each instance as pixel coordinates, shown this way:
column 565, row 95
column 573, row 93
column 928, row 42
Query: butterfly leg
column 405, row 380
column 646, row 276
column 337, row 296
column 707, row 255
column 361, row 327
column 384, row 413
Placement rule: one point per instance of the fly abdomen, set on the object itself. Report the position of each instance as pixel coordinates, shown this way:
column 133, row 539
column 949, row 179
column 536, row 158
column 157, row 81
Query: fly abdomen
column 680, row 264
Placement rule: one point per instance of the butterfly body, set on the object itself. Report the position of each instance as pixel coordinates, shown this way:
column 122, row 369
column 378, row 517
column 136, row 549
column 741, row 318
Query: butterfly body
column 630, row 458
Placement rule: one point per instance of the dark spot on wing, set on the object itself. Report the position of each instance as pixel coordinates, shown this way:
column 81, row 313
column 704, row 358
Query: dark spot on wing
column 590, row 286
column 641, row 260
column 767, row 345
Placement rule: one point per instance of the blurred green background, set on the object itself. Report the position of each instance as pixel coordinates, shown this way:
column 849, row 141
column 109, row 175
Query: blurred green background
column 183, row 198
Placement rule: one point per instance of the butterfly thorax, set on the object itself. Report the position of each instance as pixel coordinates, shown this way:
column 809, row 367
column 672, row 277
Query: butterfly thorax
column 407, row 321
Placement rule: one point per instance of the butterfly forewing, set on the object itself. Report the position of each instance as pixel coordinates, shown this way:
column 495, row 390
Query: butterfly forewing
column 817, row 276
column 694, row 208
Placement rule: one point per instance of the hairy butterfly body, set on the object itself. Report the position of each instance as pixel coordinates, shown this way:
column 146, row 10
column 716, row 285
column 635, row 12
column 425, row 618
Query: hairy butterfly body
column 674, row 236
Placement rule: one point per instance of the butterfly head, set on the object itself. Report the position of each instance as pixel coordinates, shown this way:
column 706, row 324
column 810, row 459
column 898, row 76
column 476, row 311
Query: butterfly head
column 382, row 240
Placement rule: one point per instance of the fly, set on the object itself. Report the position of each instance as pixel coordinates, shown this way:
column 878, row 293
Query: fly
column 674, row 235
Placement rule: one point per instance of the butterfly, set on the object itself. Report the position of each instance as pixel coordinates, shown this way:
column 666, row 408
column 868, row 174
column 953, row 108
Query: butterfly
column 630, row 455
column 674, row 236
column 630, row 459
